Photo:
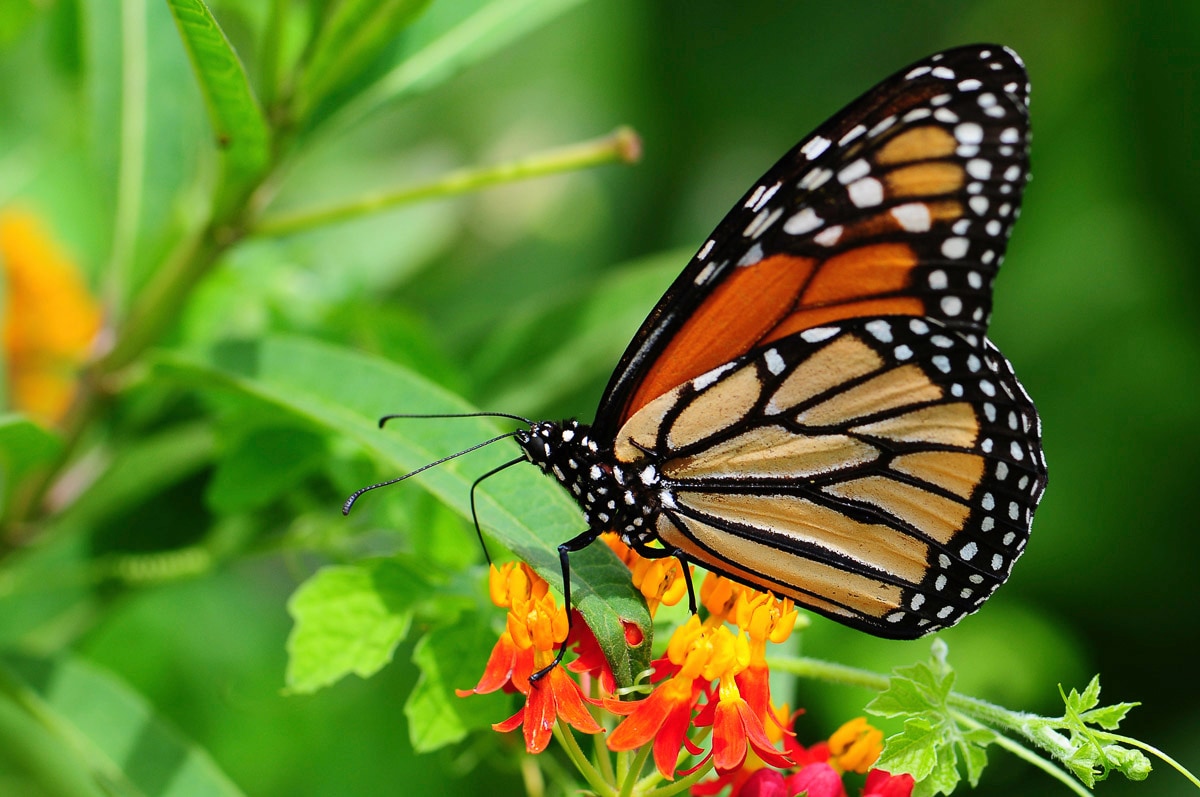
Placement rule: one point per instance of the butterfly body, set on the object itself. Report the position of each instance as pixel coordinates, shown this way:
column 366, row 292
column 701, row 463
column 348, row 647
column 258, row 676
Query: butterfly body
column 813, row 407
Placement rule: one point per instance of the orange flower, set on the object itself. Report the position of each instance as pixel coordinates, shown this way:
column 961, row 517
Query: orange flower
column 50, row 319
column 665, row 715
column 535, row 626
column 556, row 696
column 764, row 618
column 855, row 746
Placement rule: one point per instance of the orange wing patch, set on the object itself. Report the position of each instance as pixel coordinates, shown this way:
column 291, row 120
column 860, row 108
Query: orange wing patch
column 742, row 309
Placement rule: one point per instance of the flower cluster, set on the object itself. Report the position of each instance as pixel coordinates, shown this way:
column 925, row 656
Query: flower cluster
column 50, row 319
column 712, row 683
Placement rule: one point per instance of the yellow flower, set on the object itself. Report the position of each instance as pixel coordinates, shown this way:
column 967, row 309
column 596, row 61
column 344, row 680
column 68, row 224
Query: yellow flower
column 855, row 746
column 50, row 319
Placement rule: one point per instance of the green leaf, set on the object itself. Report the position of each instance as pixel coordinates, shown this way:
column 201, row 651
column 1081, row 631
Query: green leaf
column 345, row 392
column 446, row 40
column 24, row 447
column 76, row 730
column 450, row 658
column 933, row 742
column 261, row 464
column 349, row 38
column 241, row 130
column 349, row 619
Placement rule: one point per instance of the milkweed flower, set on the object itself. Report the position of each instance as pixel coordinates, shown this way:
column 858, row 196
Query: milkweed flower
column 50, row 318
column 855, row 746
column 534, row 628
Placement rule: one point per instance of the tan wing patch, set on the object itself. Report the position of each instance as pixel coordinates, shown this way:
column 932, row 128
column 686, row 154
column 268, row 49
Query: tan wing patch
column 783, row 573
column 643, row 428
column 955, row 472
column 772, row 452
column 897, row 387
column 842, row 360
column 925, row 179
column 942, row 424
column 717, row 408
column 920, row 143
column 939, row 517
column 808, row 523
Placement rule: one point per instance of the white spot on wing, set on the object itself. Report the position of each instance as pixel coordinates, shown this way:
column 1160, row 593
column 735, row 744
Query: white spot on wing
column 802, row 222
column 775, row 363
column 866, row 192
column 818, row 334
column 829, row 236
column 813, row 149
column 752, row 256
column 913, row 216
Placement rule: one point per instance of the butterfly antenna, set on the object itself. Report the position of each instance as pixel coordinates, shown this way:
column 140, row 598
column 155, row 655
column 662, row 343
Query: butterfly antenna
column 346, row 507
column 525, row 421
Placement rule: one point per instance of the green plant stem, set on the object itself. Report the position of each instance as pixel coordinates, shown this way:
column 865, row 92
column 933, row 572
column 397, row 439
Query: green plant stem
column 829, row 672
column 603, row 760
column 683, row 783
column 622, row 145
column 1116, row 737
column 272, row 52
column 635, row 768
column 571, row 745
column 132, row 163
column 1025, row 754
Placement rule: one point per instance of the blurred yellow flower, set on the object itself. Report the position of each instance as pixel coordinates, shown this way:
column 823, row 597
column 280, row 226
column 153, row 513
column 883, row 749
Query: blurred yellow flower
column 50, row 318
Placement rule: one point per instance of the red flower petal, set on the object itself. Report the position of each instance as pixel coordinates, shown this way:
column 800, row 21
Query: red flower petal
column 568, row 701
column 512, row 723
column 819, row 780
column 729, row 737
column 671, row 736
column 883, row 784
column 498, row 673
column 759, row 739
column 763, row 783
column 539, row 718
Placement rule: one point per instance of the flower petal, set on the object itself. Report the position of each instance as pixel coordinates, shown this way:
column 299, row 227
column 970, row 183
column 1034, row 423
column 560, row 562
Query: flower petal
column 568, row 700
column 729, row 737
column 884, row 784
column 819, row 780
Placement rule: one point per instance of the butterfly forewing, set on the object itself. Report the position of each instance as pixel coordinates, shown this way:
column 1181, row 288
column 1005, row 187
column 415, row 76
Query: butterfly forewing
column 881, row 471
column 901, row 204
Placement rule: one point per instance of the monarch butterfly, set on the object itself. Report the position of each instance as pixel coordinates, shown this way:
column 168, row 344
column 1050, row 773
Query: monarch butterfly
column 813, row 407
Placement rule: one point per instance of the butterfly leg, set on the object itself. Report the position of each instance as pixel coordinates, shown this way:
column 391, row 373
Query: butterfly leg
column 564, row 552
column 475, row 515
column 648, row 552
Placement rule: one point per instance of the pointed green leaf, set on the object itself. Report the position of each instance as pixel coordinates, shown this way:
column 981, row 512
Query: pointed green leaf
column 79, row 720
column 24, row 447
column 353, row 34
column 349, row 619
column 452, row 657
column 446, row 40
column 345, row 393
column 238, row 123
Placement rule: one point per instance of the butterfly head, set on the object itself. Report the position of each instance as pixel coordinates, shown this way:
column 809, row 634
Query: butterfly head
column 611, row 497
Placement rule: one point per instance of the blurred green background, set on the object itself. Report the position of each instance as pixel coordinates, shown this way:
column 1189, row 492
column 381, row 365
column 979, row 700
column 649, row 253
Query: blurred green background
column 489, row 295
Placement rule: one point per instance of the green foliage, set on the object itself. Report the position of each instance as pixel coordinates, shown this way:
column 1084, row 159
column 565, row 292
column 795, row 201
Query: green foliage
column 933, row 742
column 349, row 619
column 238, row 124
column 218, row 172
column 70, row 728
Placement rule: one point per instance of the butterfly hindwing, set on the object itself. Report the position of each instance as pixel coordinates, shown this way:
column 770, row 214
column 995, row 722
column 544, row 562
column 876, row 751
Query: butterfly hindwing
column 901, row 204
column 881, row 471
